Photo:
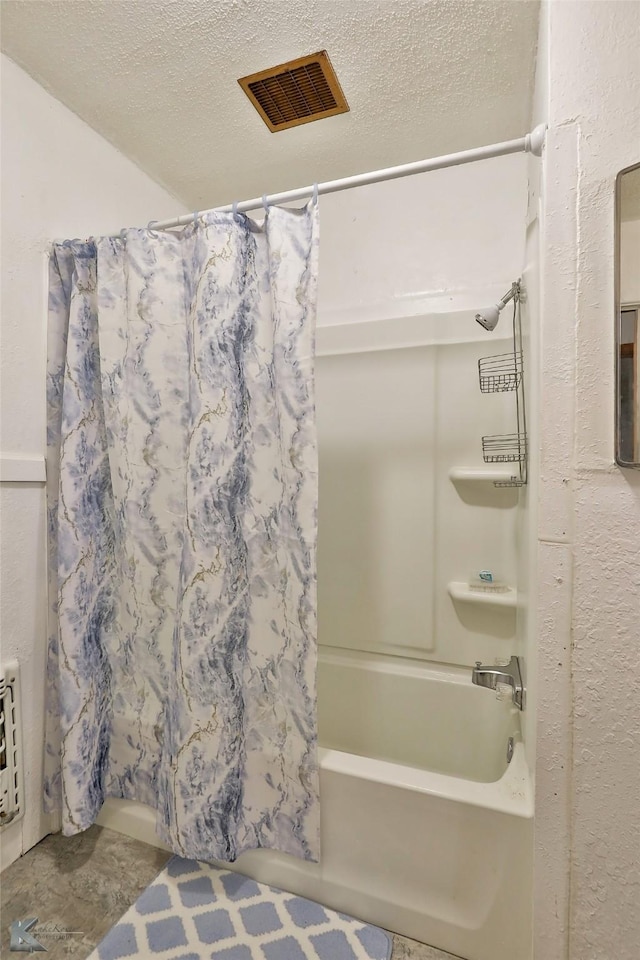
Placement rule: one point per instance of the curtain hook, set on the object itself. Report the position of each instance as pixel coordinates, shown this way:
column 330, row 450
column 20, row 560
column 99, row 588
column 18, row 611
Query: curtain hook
column 195, row 218
column 315, row 194
column 150, row 225
column 122, row 233
column 265, row 203
column 234, row 208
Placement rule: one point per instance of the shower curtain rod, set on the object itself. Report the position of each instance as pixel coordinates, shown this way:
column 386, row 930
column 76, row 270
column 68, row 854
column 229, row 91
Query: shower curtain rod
column 531, row 143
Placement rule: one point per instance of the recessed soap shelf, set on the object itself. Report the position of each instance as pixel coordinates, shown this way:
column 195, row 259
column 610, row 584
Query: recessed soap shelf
column 459, row 590
column 481, row 475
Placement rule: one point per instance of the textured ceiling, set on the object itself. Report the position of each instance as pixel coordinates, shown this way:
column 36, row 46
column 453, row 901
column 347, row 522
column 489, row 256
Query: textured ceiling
column 158, row 79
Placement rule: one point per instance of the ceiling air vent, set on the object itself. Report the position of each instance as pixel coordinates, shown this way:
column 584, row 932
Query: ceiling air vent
column 296, row 92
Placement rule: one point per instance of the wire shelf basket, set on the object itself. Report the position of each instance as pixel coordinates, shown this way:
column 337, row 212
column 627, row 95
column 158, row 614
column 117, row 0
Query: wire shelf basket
column 500, row 373
column 505, row 448
column 514, row 481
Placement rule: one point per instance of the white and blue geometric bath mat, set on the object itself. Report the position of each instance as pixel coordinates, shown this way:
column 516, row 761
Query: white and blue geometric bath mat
column 193, row 911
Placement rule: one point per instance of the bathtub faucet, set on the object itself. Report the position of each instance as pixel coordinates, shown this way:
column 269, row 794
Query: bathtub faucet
column 490, row 677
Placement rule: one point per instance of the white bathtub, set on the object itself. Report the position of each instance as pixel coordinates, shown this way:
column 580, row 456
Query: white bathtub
column 426, row 829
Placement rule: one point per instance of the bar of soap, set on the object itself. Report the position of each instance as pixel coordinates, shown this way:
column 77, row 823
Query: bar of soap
column 485, row 580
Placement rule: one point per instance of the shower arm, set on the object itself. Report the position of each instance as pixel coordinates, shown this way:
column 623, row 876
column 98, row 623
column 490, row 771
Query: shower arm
column 513, row 292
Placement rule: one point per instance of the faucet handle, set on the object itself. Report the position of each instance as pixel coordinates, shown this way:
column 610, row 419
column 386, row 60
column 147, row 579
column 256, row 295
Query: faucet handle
column 478, row 663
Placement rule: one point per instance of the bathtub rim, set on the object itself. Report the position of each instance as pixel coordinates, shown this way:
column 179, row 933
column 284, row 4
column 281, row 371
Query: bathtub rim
column 512, row 794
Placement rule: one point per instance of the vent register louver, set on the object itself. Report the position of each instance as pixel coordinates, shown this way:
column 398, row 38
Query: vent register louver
column 296, row 92
column 11, row 784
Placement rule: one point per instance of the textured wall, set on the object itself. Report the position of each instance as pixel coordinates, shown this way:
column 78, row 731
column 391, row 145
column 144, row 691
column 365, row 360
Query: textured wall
column 60, row 179
column 589, row 561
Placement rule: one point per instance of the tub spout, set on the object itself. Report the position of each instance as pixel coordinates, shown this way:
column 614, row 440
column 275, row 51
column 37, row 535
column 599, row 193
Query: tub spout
column 511, row 674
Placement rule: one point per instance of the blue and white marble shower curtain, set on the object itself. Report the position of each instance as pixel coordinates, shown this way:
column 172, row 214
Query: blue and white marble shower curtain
column 182, row 492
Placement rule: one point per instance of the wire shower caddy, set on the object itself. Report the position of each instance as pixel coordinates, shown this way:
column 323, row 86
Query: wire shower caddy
column 499, row 374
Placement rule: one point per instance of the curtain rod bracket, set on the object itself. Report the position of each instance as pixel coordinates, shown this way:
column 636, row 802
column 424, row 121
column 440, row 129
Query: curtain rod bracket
column 534, row 141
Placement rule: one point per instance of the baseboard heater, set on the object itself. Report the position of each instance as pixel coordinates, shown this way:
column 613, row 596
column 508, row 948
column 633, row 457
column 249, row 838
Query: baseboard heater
column 11, row 780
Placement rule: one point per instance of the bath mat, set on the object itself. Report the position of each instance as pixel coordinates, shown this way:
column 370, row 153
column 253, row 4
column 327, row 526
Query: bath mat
column 194, row 911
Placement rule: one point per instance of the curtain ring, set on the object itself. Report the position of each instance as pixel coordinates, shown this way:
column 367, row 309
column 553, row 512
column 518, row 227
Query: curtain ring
column 315, row 194
column 234, row 208
column 264, row 203
column 122, row 233
column 150, row 225
column 195, row 218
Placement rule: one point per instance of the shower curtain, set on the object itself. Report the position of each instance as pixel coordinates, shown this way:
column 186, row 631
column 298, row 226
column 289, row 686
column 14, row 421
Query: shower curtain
column 182, row 497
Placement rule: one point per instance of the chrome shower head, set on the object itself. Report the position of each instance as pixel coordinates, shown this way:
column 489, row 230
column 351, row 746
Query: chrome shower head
column 488, row 318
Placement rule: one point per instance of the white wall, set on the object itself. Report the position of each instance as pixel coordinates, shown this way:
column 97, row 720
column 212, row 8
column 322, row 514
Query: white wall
column 528, row 624
column 408, row 262
column 589, row 525
column 550, row 557
column 394, row 530
column 59, row 179
column 433, row 242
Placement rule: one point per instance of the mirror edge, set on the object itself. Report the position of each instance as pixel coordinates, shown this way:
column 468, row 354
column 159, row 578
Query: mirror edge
column 625, row 464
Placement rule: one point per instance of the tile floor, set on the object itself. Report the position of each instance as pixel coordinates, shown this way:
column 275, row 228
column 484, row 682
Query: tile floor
column 85, row 884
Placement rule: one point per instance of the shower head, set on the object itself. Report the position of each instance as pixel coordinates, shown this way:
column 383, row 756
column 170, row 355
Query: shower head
column 488, row 318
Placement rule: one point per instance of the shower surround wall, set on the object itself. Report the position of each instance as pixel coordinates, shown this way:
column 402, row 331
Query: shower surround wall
column 60, row 179
column 462, row 244
column 395, row 530
column 434, row 241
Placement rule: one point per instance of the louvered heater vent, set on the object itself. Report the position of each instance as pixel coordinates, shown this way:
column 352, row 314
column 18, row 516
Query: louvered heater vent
column 11, row 789
column 296, row 92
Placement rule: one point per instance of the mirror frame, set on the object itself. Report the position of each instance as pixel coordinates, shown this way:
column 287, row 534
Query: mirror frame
column 627, row 464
